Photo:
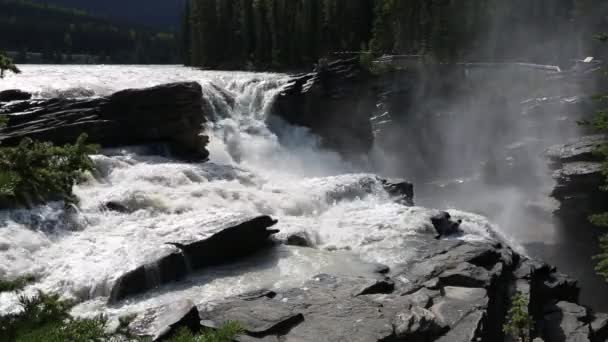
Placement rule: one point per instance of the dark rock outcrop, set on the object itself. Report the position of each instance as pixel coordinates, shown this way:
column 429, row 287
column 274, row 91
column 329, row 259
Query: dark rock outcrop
column 579, row 178
column 335, row 102
column 227, row 246
column 14, row 95
column 182, row 315
column 444, row 225
column 170, row 113
column 301, row 239
column 401, row 191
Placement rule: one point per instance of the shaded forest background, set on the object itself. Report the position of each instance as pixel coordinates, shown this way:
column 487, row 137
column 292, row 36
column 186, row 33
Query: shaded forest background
column 293, row 33
column 47, row 33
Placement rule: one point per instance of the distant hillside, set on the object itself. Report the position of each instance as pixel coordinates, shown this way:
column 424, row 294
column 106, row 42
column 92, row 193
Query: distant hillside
column 58, row 33
column 164, row 14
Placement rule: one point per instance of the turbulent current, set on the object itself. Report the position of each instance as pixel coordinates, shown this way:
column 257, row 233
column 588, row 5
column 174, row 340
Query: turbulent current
column 80, row 252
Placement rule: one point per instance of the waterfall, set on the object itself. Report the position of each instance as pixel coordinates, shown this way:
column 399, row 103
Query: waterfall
column 251, row 172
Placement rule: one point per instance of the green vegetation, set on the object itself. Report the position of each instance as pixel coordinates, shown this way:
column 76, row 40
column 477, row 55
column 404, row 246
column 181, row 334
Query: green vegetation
column 47, row 318
column 36, row 172
column 297, row 33
column 16, row 284
column 39, row 32
column 519, row 321
column 226, row 333
column 6, row 64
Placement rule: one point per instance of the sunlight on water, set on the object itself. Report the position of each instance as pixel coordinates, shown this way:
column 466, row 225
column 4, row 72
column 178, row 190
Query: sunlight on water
column 80, row 253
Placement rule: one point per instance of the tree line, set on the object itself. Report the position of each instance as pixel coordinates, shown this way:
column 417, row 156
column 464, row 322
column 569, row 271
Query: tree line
column 57, row 33
column 292, row 33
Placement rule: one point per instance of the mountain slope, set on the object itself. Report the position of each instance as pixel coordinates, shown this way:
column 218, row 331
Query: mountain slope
column 154, row 13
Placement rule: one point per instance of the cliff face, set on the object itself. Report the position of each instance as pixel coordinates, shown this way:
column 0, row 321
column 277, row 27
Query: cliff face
column 335, row 102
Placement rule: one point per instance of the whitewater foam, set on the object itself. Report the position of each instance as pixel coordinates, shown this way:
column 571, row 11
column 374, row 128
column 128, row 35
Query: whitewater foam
column 80, row 253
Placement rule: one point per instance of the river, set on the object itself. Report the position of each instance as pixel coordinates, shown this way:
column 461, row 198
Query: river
column 80, row 252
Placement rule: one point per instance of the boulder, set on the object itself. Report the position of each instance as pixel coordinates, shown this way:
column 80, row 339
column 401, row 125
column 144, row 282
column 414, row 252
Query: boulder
column 445, row 226
column 301, row 239
column 229, row 245
column 170, row 113
column 417, row 324
column 14, row 95
column 182, row 315
column 335, row 102
column 401, row 191
column 566, row 322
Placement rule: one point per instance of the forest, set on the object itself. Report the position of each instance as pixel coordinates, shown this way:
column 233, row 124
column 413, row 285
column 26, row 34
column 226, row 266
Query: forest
column 53, row 34
column 296, row 33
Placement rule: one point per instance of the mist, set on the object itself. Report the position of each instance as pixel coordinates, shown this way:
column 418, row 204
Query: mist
column 473, row 135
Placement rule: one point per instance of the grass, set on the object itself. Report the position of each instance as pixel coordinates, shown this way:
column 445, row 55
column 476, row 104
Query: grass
column 16, row 284
column 226, row 333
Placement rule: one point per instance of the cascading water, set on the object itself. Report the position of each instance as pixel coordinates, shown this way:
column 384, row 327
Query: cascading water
column 80, row 252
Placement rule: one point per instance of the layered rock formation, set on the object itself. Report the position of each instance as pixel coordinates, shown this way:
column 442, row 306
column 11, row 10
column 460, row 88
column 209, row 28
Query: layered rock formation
column 170, row 113
column 578, row 172
column 335, row 102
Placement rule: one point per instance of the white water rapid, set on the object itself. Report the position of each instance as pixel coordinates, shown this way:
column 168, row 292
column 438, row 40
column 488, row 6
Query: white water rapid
column 80, row 253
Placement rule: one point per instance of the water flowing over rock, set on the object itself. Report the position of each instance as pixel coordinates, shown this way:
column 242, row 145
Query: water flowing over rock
column 335, row 102
column 170, row 113
column 227, row 246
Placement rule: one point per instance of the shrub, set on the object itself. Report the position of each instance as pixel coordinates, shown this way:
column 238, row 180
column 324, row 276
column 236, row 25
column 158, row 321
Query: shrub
column 6, row 64
column 16, row 284
column 519, row 322
column 46, row 318
column 36, row 172
column 226, row 333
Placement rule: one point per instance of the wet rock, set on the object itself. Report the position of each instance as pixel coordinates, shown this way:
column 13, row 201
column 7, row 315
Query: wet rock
column 566, row 322
column 301, row 239
column 378, row 287
column 465, row 275
column 227, row 246
column 181, row 315
column 560, row 287
column 14, row 95
column 381, row 269
column 401, row 191
column 323, row 309
column 452, row 291
column 171, row 113
column 417, row 324
column 599, row 327
column 464, row 311
column 335, row 102
column 579, row 178
column 117, row 207
column 445, row 226
column 579, row 150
